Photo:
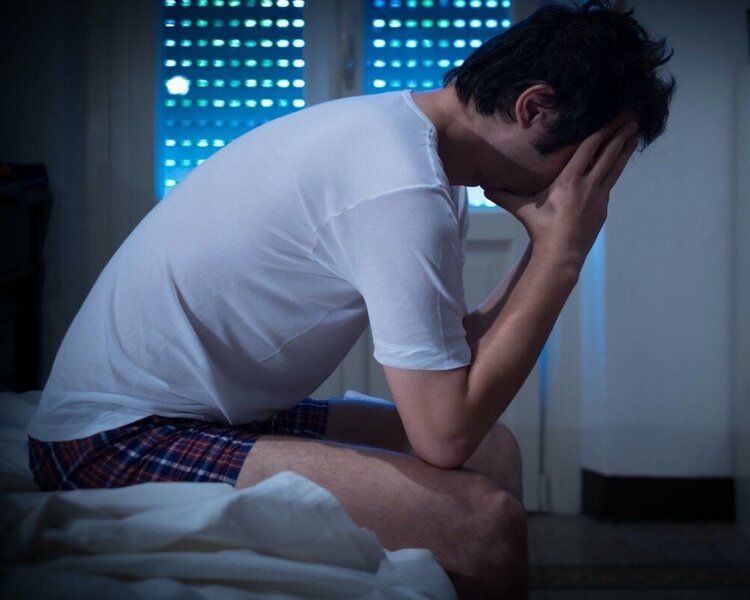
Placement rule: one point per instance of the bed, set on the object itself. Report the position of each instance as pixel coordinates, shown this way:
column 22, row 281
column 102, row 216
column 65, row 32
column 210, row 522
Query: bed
column 283, row 538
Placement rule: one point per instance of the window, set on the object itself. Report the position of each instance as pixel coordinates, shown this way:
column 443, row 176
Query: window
column 226, row 66
column 230, row 65
column 412, row 43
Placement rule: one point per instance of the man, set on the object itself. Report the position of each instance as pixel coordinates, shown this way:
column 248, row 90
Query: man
column 241, row 291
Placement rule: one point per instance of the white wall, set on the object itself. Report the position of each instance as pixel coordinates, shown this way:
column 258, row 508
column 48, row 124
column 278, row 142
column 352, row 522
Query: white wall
column 656, row 312
column 741, row 308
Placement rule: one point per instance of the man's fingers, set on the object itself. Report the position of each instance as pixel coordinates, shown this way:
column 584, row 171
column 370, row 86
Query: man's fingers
column 587, row 150
column 610, row 152
column 609, row 180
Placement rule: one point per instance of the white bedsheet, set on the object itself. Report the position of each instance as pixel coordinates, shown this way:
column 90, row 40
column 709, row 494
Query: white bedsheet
column 284, row 538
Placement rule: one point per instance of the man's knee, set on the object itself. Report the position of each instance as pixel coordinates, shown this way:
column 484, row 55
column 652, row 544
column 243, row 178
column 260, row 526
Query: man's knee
column 499, row 458
column 505, row 439
column 511, row 538
column 503, row 521
column 498, row 554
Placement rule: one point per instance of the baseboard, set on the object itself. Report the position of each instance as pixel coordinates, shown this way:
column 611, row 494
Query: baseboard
column 713, row 579
column 658, row 498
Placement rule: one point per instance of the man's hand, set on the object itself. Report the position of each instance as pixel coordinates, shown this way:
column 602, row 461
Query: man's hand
column 566, row 218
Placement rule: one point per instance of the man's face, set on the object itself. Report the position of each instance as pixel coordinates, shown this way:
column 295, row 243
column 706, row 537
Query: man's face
column 512, row 163
column 538, row 171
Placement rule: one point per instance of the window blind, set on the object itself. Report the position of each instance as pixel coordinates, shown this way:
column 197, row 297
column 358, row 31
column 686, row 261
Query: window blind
column 226, row 67
column 412, row 43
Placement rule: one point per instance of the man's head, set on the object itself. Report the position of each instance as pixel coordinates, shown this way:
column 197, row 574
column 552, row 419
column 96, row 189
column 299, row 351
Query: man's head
column 596, row 63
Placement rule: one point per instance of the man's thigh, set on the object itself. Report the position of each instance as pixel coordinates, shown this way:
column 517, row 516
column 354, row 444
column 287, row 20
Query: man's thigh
column 376, row 486
column 465, row 518
column 376, row 423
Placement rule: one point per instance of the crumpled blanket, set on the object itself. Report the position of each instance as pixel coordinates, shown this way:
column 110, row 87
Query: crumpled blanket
column 283, row 538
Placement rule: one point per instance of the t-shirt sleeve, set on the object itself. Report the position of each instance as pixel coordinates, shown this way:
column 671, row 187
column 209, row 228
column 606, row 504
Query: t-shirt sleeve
column 403, row 252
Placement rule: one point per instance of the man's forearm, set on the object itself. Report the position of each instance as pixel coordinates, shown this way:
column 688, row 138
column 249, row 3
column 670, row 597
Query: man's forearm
column 446, row 414
column 506, row 352
column 482, row 317
column 465, row 403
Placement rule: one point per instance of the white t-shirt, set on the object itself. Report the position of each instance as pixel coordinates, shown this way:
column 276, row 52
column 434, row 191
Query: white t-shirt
column 241, row 291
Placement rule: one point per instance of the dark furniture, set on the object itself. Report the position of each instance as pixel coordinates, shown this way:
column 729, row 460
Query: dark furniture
column 25, row 203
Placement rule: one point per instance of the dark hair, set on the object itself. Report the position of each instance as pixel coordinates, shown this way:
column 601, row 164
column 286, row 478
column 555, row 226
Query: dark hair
column 598, row 62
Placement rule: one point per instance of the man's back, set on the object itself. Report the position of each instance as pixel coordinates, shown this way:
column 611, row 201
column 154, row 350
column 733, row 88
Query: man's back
column 243, row 289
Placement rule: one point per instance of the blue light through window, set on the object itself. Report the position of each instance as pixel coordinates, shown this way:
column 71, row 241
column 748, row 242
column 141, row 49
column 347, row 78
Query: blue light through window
column 412, row 43
column 226, row 67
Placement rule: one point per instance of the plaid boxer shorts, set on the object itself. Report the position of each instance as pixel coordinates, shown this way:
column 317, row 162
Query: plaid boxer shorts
column 165, row 449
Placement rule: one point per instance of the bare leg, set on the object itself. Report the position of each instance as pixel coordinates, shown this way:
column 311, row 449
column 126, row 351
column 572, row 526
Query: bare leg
column 377, row 424
column 475, row 527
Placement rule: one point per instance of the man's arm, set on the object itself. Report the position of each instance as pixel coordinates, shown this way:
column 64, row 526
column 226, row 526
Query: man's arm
column 477, row 322
column 446, row 414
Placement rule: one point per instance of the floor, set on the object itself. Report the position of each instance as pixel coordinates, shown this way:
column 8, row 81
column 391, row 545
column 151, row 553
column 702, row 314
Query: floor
column 583, row 558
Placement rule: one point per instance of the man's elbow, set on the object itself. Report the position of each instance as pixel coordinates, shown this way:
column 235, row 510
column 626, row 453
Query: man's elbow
column 446, row 454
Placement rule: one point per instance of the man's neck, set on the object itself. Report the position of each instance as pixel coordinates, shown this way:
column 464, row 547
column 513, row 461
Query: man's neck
column 458, row 145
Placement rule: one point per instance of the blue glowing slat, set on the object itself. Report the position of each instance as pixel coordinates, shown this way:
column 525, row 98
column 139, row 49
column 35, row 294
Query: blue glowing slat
column 431, row 37
column 215, row 48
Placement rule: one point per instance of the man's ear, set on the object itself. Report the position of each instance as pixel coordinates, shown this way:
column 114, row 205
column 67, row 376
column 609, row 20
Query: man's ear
column 535, row 106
